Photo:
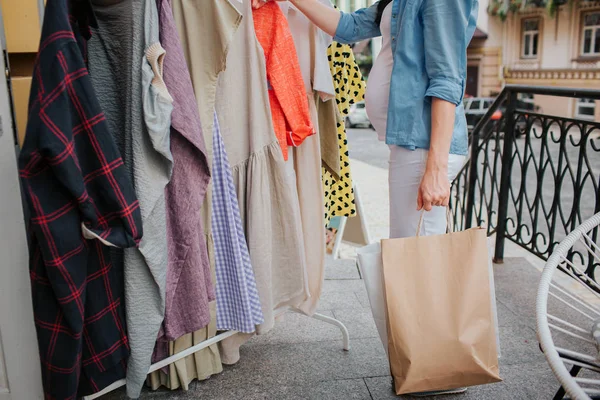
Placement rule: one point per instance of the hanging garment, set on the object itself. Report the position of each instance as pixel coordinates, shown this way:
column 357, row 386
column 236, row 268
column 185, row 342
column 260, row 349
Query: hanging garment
column 311, row 47
column 289, row 107
column 238, row 304
column 339, row 193
column 206, row 29
column 200, row 365
column 80, row 201
column 328, row 119
column 189, row 283
column 263, row 187
column 146, row 148
column 190, row 289
column 350, row 89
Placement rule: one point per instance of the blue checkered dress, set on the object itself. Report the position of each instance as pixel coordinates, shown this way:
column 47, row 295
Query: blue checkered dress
column 238, row 304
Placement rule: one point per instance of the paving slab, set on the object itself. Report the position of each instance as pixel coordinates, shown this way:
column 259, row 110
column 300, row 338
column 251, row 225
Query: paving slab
column 363, row 297
column 339, row 301
column 341, row 269
column 507, row 317
column 298, row 364
column 360, row 323
column 298, row 328
column 346, row 285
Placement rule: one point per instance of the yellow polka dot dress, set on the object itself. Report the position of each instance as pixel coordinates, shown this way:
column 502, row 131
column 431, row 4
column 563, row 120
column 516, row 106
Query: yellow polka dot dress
column 349, row 88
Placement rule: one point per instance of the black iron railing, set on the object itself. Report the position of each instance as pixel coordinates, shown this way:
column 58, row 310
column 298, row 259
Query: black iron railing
column 531, row 177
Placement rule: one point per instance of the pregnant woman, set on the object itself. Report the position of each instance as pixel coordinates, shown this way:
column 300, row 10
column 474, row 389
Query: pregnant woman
column 414, row 96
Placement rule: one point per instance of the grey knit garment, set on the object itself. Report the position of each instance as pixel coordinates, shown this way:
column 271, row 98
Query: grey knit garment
column 145, row 147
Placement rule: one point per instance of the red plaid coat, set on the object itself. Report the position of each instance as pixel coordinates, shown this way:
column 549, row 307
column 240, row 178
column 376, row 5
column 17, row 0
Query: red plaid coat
column 80, row 203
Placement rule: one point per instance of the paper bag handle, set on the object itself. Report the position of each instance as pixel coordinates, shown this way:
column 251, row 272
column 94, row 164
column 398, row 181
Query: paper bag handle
column 448, row 221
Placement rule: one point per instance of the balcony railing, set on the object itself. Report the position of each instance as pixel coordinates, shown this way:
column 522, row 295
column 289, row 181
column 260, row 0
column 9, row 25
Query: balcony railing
column 531, row 178
column 502, row 8
column 590, row 72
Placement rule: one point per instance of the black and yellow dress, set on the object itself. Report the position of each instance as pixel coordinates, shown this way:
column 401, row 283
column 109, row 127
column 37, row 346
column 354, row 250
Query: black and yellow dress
column 350, row 89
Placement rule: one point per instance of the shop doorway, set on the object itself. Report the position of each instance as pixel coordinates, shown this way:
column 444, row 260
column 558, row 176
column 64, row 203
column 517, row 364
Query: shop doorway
column 472, row 88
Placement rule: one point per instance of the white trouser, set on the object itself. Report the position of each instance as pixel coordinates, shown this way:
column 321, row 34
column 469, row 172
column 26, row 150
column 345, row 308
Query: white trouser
column 406, row 171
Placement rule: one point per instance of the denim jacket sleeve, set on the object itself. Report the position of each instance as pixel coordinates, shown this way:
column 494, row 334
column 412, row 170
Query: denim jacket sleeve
column 357, row 26
column 448, row 26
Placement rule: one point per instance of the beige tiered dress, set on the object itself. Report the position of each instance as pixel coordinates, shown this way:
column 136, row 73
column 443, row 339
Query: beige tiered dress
column 266, row 195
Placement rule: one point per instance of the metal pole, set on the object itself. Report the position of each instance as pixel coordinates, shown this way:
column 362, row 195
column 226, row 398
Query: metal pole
column 472, row 181
column 507, row 155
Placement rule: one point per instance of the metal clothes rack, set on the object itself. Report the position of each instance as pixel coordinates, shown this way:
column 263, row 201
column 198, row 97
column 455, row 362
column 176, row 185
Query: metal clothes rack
column 217, row 339
column 365, row 236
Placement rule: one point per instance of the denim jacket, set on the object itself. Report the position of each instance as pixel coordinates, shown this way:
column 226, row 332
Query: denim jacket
column 429, row 42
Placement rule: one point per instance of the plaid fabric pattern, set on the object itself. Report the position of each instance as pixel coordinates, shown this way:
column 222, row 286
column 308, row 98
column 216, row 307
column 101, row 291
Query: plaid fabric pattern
column 238, row 304
column 80, row 200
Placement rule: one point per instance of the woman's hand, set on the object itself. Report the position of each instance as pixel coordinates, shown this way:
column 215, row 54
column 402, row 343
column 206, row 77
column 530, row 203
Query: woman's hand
column 260, row 3
column 322, row 15
column 434, row 189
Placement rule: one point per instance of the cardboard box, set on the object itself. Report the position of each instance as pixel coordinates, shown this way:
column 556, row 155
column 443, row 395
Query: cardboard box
column 22, row 25
column 21, row 87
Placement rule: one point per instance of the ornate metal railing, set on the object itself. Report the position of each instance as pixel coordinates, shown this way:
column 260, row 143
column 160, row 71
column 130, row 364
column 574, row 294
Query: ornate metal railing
column 531, row 178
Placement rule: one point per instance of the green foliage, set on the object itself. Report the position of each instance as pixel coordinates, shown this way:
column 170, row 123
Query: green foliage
column 501, row 8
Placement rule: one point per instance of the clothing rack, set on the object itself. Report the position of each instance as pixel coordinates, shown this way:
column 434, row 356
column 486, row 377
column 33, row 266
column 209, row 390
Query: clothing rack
column 364, row 227
column 218, row 338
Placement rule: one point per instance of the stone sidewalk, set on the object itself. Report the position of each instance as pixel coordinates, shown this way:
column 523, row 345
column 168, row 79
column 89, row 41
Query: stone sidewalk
column 302, row 358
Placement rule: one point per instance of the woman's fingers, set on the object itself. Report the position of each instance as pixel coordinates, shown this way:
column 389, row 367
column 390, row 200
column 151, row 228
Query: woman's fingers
column 446, row 202
column 258, row 3
column 419, row 200
column 427, row 202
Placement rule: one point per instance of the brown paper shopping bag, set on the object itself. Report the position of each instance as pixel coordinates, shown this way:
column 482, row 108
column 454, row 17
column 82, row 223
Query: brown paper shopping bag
column 441, row 331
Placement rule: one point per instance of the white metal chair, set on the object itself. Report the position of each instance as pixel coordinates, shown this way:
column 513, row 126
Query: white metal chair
column 566, row 316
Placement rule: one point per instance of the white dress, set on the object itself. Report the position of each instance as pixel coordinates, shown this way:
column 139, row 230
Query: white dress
column 377, row 95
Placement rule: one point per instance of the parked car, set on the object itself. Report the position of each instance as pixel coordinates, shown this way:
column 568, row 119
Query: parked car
column 358, row 116
column 477, row 107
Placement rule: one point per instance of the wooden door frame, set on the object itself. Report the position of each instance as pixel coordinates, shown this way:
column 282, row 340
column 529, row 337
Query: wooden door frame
column 478, row 65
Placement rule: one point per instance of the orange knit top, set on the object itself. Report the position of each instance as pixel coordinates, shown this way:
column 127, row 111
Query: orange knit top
column 288, row 98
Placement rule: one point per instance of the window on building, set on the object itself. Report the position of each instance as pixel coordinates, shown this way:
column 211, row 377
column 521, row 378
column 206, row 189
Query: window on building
column 531, row 37
column 585, row 109
column 590, row 43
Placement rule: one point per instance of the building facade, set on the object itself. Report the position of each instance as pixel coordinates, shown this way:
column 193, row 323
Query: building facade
column 528, row 42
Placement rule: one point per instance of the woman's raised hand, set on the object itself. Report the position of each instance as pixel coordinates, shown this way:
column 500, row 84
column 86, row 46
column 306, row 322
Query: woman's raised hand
column 260, row 3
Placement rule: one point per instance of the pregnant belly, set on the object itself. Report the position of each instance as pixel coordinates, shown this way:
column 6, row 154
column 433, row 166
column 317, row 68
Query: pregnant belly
column 377, row 96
